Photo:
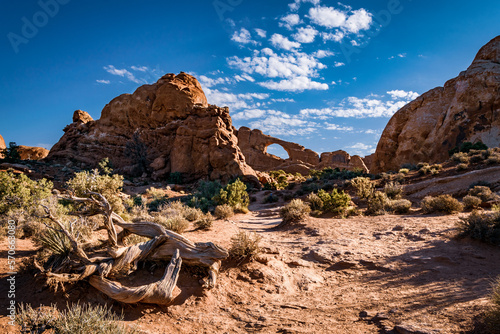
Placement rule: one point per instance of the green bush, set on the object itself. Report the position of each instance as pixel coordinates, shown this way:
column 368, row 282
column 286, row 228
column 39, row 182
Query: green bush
column 271, row 198
column 175, row 178
column 109, row 186
column 235, row 195
column 245, row 245
column 223, row 211
column 400, row 206
column 205, row 222
column 471, row 202
column 76, row 319
column 467, row 146
column 295, row 211
column 442, row 203
column 393, row 190
column 481, row 226
column 336, row 202
column 18, row 192
column 377, row 204
column 315, row 202
column 11, row 153
column 364, row 187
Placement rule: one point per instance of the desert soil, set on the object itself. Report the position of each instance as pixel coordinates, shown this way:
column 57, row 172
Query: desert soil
column 354, row 275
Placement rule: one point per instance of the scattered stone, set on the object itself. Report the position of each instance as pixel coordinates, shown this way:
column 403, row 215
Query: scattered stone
column 398, row 228
column 412, row 329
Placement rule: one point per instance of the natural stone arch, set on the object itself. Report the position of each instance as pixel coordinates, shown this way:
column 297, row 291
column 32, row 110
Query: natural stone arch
column 278, row 147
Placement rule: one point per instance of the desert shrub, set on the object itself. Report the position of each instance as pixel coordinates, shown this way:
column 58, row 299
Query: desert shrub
column 441, row 203
column 155, row 193
column 400, row 206
column 18, row 192
column 76, row 319
column 377, row 204
column 223, row 211
column 483, row 192
column 492, row 316
column 425, row 168
column 11, row 153
column 466, row 147
column 483, row 226
column 134, row 239
column 461, row 157
column 471, row 202
column 364, row 187
column 271, row 198
column 109, row 186
column 393, row 190
column 476, row 158
column 314, row 201
column 205, row 222
column 235, row 195
column 191, row 214
column 55, row 241
column 295, row 211
column 404, row 170
column 177, row 224
column 336, row 202
column 462, row 166
column 245, row 245
column 493, row 159
column 175, row 178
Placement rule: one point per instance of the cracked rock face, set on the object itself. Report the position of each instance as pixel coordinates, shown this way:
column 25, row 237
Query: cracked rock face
column 163, row 128
column 466, row 109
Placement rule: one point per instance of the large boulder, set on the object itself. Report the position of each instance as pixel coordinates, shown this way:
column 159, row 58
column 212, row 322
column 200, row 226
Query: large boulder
column 32, row 153
column 163, row 128
column 466, row 109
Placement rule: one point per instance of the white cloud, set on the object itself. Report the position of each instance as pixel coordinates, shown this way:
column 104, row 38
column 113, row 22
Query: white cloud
column 122, row 73
column 327, row 17
column 401, row 55
column 243, row 36
column 296, row 4
column 364, row 107
column 336, row 127
column 140, row 68
column 262, row 33
column 243, row 77
column 305, row 35
column 234, row 101
column 338, row 64
column 282, row 42
column 323, row 54
column 249, row 114
column 289, row 21
column 207, row 82
column 336, row 37
column 277, row 123
column 361, row 149
column 297, row 84
column 401, row 94
column 106, row 82
column 271, row 65
column 283, row 100
column 359, row 20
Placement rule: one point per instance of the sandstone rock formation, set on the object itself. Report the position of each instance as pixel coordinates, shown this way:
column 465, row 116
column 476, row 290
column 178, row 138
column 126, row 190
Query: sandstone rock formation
column 163, row 128
column 2, row 146
column 32, row 153
column 254, row 143
column 467, row 108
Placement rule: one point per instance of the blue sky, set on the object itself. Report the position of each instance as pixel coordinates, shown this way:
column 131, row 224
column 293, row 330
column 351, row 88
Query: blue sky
column 325, row 74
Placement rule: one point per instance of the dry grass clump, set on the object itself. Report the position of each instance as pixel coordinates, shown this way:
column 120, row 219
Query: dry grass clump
column 192, row 214
column 377, row 204
column 484, row 193
column 177, row 224
column 471, row 202
column 315, row 202
column 393, row 190
column 245, row 245
column 294, row 212
column 205, row 222
column 364, row 187
column 441, row 203
column 404, row 171
column 462, row 166
column 461, row 157
column 76, row 319
column 484, row 226
column 492, row 316
column 223, row 211
column 425, row 168
column 400, row 206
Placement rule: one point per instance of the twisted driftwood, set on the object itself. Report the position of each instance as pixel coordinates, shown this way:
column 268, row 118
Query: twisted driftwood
column 164, row 245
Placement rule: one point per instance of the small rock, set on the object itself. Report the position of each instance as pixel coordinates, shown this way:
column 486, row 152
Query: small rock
column 398, row 228
column 380, row 316
column 412, row 329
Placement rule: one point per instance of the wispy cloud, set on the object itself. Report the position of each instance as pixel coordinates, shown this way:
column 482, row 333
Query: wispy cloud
column 297, row 84
column 243, row 36
column 105, row 82
column 121, row 73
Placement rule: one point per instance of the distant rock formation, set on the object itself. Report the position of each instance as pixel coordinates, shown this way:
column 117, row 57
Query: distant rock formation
column 254, row 143
column 163, row 128
column 32, row 153
column 2, row 143
column 466, row 109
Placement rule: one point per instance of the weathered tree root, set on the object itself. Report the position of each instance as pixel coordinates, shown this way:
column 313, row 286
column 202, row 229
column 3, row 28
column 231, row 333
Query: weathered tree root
column 164, row 245
column 160, row 292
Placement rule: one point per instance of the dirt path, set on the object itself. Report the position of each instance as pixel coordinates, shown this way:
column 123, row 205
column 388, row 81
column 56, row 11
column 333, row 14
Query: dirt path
column 356, row 275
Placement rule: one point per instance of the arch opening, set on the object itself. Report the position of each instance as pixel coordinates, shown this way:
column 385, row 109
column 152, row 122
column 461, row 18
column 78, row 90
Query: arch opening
column 277, row 150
